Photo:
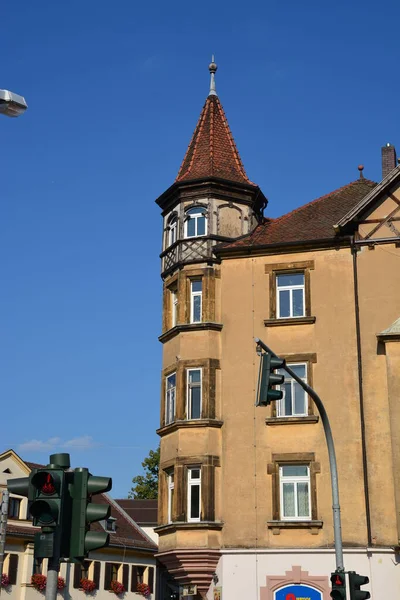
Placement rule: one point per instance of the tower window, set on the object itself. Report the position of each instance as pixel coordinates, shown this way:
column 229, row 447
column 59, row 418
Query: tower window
column 194, row 495
column 171, row 488
column 170, row 394
column 196, row 293
column 172, row 232
column 194, row 394
column 196, row 222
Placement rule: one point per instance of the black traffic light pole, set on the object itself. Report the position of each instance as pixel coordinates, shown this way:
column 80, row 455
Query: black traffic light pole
column 337, row 529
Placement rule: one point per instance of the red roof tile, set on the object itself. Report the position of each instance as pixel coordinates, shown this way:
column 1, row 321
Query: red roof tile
column 312, row 221
column 212, row 150
column 143, row 512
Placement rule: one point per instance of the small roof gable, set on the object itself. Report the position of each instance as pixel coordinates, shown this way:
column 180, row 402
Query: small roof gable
column 392, row 178
column 310, row 222
column 392, row 331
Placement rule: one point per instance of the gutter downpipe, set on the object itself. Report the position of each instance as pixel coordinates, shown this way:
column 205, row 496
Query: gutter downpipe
column 354, row 251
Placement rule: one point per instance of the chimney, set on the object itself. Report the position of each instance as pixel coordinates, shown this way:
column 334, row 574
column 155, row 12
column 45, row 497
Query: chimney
column 388, row 159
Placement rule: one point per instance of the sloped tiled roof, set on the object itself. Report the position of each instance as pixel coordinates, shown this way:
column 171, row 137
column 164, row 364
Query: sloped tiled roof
column 212, row 151
column 312, row 221
column 143, row 512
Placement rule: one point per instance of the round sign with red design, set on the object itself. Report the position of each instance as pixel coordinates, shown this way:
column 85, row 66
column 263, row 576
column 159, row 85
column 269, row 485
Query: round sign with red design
column 297, row 592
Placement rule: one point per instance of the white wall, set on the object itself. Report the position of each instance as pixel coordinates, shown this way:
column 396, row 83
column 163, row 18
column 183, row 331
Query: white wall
column 242, row 574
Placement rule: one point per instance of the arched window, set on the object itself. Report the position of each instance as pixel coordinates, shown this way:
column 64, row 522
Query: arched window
column 172, row 230
column 195, row 222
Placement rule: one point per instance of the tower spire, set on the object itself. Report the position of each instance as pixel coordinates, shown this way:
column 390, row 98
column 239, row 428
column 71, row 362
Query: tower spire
column 212, row 67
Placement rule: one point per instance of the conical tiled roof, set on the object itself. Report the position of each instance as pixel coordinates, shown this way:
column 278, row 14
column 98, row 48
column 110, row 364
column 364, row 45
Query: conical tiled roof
column 212, row 150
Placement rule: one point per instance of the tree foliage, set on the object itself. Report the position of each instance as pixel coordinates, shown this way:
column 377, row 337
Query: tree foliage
column 145, row 487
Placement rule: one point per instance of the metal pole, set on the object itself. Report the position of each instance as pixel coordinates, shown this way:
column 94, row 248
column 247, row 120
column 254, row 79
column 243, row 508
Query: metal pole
column 337, row 528
column 52, row 578
column 3, row 527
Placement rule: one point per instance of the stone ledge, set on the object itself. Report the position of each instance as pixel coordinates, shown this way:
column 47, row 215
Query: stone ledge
column 188, row 425
column 206, row 325
column 179, row 525
column 309, row 419
column 290, row 321
column 313, row 526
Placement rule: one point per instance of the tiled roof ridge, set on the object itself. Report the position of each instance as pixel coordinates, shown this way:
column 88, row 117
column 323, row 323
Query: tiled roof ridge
column 337, row 191
column 192, row 149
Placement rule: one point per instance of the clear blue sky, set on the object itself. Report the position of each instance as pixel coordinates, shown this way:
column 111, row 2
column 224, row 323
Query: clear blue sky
column 114, row 90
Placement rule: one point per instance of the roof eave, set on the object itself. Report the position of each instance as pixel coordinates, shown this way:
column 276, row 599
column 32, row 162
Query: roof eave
column 389, row 180
column 277, row 247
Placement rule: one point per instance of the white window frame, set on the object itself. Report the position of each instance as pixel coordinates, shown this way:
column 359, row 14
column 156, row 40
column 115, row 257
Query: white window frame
column 172, row 230
column 189, row 387
column 288, row 378
column 290, row 288
column 193, row 482
column 174, row 307
column 201, row 212
column 170, row 407
column 193, row 295
column 295, row 479
column 171, row 488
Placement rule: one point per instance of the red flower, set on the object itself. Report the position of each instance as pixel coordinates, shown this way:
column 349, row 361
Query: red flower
column 117, row 588
column 5, row 580
column 39, row 582
column 143, row 588
column 88, row 586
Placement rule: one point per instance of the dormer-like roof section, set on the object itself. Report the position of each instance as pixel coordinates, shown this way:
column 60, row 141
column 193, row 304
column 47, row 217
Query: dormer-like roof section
column 212, row 151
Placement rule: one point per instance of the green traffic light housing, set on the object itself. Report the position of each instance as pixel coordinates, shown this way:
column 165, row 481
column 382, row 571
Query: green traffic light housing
column 85, row 512
column 267, row 379
column 355, row 583
column 47, row 491
column 19, row 486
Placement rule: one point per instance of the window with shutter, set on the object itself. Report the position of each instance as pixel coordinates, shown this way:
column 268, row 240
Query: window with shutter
column 108, row 576
column 77, row 575
column 13, row 568
column 96, row 573
column 151, row 579
column 134, row 578
column 125, row 576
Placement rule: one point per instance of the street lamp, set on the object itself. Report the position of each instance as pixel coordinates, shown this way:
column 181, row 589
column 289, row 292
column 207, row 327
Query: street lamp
column 12, row 105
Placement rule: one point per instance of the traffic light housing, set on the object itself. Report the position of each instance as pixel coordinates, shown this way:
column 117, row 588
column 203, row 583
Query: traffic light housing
column 84, row 512
column 267, row 379
column 355, row 582
column 338, row 581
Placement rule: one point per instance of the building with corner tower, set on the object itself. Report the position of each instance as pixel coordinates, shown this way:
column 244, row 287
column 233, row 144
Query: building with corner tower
column 245, row 508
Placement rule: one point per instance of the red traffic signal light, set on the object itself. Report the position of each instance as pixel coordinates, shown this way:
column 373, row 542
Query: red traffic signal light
column 338, row 581
column 45, row 483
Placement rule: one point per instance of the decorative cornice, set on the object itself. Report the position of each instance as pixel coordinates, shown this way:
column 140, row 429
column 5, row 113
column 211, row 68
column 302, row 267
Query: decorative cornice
column 188, row 425
column 191, row 566
column 171, row 333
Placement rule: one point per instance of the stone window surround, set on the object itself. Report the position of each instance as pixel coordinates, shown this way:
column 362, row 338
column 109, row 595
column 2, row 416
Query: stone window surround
column 209, row 367
column 181, row 217
column 300, row 458
column 309, row 358
column 294, row 577
column 179, row 466
column 180, row 283
column 275, row 269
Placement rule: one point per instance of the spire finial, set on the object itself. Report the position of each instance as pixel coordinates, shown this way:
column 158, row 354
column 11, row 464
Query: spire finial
column 212, row 67
column 361, row 169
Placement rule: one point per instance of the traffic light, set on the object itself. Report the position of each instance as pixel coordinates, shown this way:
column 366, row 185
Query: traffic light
column 338, row 581
column 267, row 379
column 85, row 512
column 355, row 582
column 19, row 486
